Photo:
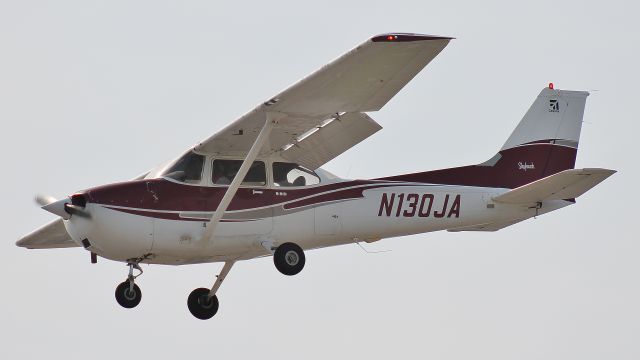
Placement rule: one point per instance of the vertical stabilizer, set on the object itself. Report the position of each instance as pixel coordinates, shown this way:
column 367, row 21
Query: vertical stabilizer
column 555, row 117
column 544, row 143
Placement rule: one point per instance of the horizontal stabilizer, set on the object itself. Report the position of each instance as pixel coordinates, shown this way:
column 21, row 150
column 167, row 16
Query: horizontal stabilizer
column 567, row 184
column 50, row 236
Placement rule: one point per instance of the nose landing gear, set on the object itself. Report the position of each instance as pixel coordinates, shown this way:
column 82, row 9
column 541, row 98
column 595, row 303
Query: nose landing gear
column 128, row 294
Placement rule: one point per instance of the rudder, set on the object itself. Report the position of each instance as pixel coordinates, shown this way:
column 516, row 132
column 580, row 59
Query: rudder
column 555, row 117
column 545, row 142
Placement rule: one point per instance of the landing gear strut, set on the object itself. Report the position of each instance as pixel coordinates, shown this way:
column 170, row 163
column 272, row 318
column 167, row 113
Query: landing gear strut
column 128, row 294
column 203, row 303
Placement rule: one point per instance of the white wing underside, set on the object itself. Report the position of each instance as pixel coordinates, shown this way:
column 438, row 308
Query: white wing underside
column 362, row 80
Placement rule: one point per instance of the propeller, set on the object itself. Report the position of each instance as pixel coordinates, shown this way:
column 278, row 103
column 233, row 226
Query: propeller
column 44, row 200
column 63, row 208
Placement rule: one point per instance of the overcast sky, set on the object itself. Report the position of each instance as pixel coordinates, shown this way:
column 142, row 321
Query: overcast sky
column 93, row 92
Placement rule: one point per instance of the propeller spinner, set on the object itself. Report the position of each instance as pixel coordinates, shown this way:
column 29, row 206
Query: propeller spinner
column 63, row 208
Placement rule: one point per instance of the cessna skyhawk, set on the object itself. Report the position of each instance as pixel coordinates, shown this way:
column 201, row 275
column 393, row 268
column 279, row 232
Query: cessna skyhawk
column 255, row 188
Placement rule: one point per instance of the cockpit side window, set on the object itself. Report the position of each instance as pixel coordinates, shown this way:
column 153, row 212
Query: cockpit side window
column 187, row 169
column 290, row 174
column 225, row 170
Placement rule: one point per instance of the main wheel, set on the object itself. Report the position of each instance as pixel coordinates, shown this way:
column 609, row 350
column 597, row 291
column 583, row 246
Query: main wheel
column 201, row 305
column 289, row 259
column 126, row 297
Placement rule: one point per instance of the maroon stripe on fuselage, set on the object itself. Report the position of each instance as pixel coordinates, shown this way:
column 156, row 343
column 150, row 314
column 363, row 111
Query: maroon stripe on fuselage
column 338, row 195
column 513, row 169
column 153, row 214
column 516, row 166
column 162, row 194
column 168, row 215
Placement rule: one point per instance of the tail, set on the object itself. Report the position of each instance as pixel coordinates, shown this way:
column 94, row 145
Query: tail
column 554, row 117
column 544, row 143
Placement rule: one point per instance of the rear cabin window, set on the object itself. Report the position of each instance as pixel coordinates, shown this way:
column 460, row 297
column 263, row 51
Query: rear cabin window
column 290, row 174
column 187, row 169
column 225, row 170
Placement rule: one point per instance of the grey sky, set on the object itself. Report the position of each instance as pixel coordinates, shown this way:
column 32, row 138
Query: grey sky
column 99, row 91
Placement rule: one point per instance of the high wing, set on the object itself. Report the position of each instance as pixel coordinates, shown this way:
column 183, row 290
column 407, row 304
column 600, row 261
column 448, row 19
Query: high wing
column 331, row 100
column 50, row 236
column 317, row 119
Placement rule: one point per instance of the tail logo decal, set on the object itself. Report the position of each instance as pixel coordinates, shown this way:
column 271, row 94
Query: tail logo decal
column 524, row 166
column 554, row 106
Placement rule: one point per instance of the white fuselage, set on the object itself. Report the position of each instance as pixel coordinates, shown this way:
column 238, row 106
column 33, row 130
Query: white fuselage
column 377, row 212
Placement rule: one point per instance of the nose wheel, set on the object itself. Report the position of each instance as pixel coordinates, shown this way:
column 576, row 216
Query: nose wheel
column 128, row 294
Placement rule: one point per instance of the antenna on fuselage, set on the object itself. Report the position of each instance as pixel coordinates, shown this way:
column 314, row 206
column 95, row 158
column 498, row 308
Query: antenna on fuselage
column 372, row 252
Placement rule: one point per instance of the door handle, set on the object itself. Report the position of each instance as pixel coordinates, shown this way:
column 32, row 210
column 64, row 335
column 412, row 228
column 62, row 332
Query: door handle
column 257, row 192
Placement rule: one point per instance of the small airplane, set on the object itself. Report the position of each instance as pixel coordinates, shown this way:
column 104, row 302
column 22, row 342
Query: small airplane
column 255, row 188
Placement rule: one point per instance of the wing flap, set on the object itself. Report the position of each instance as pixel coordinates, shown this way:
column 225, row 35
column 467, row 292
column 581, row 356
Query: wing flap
column 50, row 236
column 331, row 140
column 567, row 184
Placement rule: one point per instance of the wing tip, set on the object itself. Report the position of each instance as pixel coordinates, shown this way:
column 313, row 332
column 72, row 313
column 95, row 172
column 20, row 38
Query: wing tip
column 407, row 37
column 598, row 171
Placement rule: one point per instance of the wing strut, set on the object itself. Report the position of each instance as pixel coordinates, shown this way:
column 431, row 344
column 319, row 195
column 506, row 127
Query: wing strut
column 207, row 237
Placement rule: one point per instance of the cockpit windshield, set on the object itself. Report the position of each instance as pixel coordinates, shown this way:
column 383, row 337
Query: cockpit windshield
column 187, row 169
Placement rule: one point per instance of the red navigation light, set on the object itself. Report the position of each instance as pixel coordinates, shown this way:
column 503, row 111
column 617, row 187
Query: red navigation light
column 551, row 86
column 391, row 37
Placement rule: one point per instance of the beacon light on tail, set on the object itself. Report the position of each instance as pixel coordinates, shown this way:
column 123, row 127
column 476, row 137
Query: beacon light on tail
column 255, row 188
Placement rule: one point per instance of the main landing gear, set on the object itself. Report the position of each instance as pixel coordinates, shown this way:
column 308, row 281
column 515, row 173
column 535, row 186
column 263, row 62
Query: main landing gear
column 128, row 294
column 203, row 303
column 289, row 259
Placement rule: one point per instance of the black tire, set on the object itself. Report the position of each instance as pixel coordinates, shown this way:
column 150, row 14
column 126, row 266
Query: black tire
column 126, row 297
column 289, row 259
column 201, row 305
